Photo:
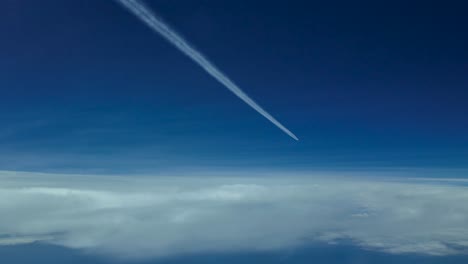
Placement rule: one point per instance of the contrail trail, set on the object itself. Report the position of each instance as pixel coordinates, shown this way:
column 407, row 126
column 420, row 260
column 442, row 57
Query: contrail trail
column 150, row 19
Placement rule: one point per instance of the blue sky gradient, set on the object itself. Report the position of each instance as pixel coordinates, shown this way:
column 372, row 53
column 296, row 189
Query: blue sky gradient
column 86, row 86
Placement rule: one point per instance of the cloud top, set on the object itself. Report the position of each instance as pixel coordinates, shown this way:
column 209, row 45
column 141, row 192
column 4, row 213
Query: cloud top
column 133, row 217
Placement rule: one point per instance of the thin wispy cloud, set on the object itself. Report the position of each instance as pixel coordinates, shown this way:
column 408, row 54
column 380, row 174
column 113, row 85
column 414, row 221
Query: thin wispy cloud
column 155, row 23
column 144, row 217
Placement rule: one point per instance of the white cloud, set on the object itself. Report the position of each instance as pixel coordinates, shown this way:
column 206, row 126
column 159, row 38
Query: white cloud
column 158, row 216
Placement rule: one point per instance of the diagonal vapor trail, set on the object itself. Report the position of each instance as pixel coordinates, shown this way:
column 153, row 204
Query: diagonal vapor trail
column 150, row 19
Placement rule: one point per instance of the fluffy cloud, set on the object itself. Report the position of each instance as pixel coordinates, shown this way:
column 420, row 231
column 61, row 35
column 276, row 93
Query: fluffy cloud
column 134, row 217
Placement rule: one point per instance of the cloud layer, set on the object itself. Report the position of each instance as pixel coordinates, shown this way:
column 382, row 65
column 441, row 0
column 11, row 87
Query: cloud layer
column 139, row 217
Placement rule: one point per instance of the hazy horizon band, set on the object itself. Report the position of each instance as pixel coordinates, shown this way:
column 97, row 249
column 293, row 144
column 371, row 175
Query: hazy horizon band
column 155, row 23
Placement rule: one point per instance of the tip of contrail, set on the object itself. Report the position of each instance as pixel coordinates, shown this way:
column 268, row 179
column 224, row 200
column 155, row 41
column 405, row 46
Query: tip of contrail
column 292, row 135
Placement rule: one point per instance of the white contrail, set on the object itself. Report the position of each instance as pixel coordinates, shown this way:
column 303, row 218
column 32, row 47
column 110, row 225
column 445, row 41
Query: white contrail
column 164, row 30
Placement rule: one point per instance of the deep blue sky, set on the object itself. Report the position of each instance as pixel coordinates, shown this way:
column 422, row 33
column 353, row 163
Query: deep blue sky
column 86, row 87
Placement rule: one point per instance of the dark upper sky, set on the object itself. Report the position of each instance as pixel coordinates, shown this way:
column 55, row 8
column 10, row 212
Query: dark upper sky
column 85, row 86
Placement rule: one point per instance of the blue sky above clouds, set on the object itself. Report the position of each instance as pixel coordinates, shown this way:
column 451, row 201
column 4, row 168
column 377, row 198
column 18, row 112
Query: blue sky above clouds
column 115, row 147
column 86, row 87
